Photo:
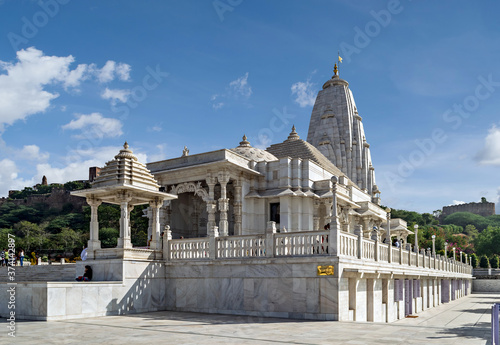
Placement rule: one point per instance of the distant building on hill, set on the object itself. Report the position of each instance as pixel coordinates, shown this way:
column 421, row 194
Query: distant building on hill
column 484, row 209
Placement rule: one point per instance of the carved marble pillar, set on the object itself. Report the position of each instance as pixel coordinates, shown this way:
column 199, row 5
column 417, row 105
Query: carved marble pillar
column 344, row 218
column 237, row 207
column 223, row 178
column 168, row 213
column 155, row 212
column 328, row 213
column 194, row 217
column 367, row 229
column 211, row 203
column 94, row 242
column 147, row 213
column 124, row 239
column 334, row 236
column 316, row 217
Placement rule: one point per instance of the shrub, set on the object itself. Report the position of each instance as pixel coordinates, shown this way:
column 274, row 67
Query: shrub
column 495, row 261
column 473, row 260
column 484, row 263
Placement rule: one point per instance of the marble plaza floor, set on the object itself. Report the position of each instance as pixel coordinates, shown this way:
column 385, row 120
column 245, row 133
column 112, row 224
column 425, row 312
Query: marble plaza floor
column 464, row 321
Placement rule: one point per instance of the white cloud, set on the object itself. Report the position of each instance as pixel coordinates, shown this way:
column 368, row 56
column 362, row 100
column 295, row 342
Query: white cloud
column 106, row 74
column 9, row 179
column 159, row 154
column 95, row 126
column 32, row 152
column 156, row 128
column 241, row 87
column 111, row 70
column 22, row 87
column 116, row 95
column 490, row 153
column 458, row 202
column 79, row 162
column 304, row 93
column 24, row 83
column 497, row 206
column 218, row 105
column 236, row 89
column 123, row 71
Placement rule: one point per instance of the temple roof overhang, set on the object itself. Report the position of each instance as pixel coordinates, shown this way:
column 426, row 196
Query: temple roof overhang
column 116, row 194
column 195, row 167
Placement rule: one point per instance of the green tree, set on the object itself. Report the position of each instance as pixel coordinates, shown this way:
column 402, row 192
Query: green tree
column 473, row 260
column 4, row 238
column 108, row 237
column 68, row 239
column 488, row 241
column 483, row 200
column 471, row 231
column 484, row 263
column 495, row 261
column 465, row 218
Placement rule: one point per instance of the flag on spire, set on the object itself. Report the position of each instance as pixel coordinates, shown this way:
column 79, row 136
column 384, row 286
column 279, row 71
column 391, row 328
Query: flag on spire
column 340, row 59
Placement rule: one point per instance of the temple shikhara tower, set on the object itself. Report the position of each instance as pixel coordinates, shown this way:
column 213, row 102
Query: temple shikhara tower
column 293, row 231
column 336, row 129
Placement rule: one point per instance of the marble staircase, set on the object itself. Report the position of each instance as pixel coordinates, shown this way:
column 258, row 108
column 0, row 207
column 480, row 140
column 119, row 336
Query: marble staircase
column 40, row 273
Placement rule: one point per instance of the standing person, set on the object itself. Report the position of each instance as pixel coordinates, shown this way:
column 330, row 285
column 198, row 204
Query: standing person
column 83, row 254
column 2, row 257
column 7, row 258
column 21, row 256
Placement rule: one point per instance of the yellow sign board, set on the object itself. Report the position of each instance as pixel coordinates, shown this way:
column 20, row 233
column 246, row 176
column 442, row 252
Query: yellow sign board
column 325, row 270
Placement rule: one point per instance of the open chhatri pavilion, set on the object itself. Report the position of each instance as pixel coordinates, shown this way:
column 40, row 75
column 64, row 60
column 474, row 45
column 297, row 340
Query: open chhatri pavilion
column 293, row 231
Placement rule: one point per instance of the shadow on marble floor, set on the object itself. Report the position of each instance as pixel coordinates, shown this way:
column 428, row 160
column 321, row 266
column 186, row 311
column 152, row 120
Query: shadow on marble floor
column 470, row 332
column 212, row 319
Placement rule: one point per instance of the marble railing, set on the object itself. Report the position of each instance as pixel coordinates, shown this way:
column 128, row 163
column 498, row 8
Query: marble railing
column 305, row 243
column 301, row 243
column 191, row 248
column 348, row 245
column 241, row 246
column 356, row 246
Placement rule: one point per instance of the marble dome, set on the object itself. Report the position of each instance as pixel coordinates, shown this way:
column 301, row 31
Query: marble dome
column 253, row 153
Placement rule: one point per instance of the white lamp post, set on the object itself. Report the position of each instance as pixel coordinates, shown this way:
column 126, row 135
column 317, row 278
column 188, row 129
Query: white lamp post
column 433, row 245
column 446, row 250
column 416, row 237
column 388, row 235
column 454, row 258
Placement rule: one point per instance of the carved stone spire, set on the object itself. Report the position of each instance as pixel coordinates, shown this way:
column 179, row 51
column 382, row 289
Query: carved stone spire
column 336, row 129
column 293, row 134
column 245, row 142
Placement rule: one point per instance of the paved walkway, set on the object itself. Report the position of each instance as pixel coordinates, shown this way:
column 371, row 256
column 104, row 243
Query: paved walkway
column 462, row 322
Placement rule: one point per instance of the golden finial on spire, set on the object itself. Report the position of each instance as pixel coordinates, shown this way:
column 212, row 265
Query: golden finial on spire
column 335, row 70
column 125, row 146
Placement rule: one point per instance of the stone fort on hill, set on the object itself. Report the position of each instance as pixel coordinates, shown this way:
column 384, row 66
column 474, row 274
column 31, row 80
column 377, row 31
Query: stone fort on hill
column 484, row 209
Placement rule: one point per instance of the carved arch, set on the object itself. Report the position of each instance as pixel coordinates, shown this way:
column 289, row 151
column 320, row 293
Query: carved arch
column 191, row 187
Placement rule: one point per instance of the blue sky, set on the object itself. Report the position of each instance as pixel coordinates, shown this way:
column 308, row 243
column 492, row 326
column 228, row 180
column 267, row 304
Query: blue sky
column 78, row 78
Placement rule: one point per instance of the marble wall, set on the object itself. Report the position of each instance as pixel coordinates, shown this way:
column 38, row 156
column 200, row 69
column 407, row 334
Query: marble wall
column 486, row 285
column 268, row 288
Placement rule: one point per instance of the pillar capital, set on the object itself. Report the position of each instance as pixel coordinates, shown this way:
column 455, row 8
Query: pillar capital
column 223, row 177
column 211, row 180
column 156, row 203
column 93, row 201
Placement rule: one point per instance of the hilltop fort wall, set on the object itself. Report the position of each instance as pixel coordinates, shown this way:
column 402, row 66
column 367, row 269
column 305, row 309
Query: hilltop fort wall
column 484, row 209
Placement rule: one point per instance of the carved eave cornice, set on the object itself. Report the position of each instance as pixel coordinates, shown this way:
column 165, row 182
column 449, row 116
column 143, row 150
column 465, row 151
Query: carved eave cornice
column 117, row 194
